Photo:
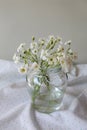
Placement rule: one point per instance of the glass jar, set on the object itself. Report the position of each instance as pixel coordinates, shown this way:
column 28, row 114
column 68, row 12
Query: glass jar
column 47, row 90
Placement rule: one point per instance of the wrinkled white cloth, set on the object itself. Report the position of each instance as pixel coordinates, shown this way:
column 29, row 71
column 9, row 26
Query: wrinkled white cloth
column 16, row 112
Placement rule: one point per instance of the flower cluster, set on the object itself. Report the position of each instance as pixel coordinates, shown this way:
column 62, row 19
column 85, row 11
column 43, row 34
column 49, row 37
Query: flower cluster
column 45, row 53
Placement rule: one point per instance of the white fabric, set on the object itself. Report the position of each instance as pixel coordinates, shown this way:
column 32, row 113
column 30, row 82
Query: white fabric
column 16, row 112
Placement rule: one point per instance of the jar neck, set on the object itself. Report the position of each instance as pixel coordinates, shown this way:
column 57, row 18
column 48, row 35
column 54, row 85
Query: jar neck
column 44, row 71
column 55, row 69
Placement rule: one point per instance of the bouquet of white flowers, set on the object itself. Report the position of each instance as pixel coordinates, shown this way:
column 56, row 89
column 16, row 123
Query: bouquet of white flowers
column 45, row 53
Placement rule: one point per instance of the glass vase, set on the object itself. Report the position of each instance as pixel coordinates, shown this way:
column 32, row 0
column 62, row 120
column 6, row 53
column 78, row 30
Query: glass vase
column 47, row 90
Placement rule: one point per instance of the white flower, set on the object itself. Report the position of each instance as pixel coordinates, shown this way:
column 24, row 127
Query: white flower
column 60, row 48
column 55, row 60
column 34, row 66
column 64, row 55
column 50, row 60
column 61, row 60
column 16, row 58
column 59, row 39
column 41, row 41
column 61, row 43
column 75, row 56
column 21, row 47
column 34, row 51
column 22, row 70
column 33, row 45
column 58, row 58
column 44, row 54
column 66, row 65
column 68, row 42
column 70, row 51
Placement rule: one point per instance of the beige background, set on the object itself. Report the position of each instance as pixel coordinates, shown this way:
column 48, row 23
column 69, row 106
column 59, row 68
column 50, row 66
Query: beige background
column 21, row 19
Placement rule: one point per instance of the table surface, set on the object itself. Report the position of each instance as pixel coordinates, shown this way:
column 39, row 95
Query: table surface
column 16, row 112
